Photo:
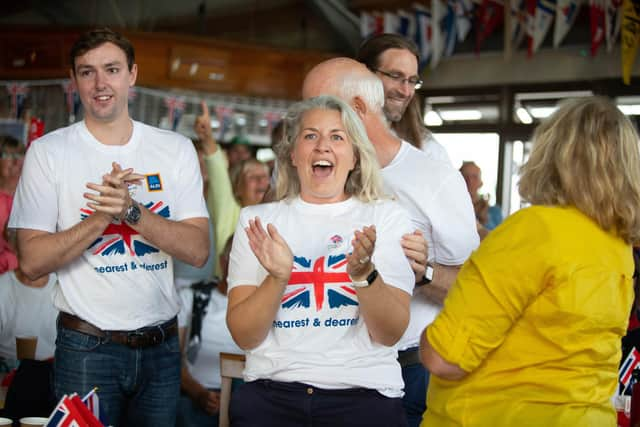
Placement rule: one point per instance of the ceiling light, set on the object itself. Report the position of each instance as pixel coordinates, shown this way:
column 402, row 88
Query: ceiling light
column 524, row 116
column 432, row 119
column 541, row 112
column 630, row 110
column 454, row 115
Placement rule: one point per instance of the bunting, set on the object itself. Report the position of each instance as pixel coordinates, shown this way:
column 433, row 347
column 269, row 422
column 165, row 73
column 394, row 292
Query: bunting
column 566, row 12
column 437, row 40
column 612, row 22
column 597, row 18
column 175, row 107
column 225, row 118
column 543, row 17
column 519, row 21
column 490, row 16
column 407, row 24
column 72, row 100
column 423, row 35
column 449, row 28
column 391, row 22
column 464, row 13
column 630, row 36
column 18, row 95
column 367, row 24
column 530, row 30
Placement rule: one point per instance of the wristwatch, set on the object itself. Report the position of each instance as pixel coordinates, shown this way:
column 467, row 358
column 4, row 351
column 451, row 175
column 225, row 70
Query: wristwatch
column 367, row 282
column 428, row 276
column 133, row 213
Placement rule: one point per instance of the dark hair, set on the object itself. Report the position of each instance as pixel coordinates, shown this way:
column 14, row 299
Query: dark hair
column 411, row 126
column 372, row 47
column 95, row 38
column 8, row 141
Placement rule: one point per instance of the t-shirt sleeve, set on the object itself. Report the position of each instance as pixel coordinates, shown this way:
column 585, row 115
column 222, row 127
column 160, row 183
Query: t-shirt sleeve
column 453, row 222
column 190, row 200
column 244, row 267
column 35, row 204
column 492, row 290
column 388, row 256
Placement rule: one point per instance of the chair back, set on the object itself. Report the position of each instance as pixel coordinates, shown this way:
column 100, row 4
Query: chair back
column 231, row 366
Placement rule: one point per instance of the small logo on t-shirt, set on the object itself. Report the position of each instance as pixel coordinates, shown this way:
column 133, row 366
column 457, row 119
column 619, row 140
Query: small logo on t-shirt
column 335, row 242
column 154, row 183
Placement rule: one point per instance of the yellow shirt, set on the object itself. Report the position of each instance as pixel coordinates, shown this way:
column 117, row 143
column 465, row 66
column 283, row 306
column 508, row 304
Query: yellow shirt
column 535, row 317
column 224, row 209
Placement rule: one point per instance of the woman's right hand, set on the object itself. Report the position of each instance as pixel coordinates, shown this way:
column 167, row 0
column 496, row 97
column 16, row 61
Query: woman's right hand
column 270, row 248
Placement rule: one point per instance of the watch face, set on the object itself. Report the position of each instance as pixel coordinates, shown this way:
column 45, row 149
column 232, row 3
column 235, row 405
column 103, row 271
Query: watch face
column 133, row 214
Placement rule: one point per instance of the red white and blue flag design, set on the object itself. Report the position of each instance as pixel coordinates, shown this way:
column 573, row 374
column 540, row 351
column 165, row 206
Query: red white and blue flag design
column 120, row 238
column 323, row 282
column 627, row 367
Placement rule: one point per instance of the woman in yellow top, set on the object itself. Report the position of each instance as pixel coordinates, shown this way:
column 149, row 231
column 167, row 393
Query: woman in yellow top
column 530, row 332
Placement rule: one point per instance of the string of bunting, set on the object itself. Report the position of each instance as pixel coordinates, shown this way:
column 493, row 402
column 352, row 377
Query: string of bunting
column 175, row 102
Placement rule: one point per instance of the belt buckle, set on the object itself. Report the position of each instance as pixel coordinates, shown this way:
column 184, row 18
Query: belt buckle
column 134, row 339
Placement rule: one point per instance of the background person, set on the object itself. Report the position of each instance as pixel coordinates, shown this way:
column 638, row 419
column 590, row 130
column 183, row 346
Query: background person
column 530, row 333
column 488, row 217
column 321, row 296
column 244, row 184
column 11, row 160
column 200, row 402
column 395, row 60
column 106, row 203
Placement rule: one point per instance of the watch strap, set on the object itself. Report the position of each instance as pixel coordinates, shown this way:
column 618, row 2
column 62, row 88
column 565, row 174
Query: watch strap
column 367, row 282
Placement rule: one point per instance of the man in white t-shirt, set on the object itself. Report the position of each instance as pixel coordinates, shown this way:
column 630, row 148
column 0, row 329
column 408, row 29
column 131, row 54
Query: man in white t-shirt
column 106, row 203
column 395, row 60
column 431, row 190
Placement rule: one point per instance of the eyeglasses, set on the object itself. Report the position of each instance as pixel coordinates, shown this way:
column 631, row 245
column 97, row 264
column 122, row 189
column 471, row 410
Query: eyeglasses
column 11, row 156
column 414, row 81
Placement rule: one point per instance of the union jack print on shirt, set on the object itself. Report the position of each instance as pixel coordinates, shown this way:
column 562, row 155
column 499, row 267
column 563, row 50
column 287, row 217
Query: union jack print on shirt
column 325, row 281
column 120, row 238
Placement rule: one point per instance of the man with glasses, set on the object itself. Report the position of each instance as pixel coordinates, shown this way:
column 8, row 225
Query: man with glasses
column 433, row 193
column 395, row 60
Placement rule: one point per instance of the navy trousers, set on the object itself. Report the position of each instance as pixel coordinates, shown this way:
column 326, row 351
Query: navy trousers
column 267, row 403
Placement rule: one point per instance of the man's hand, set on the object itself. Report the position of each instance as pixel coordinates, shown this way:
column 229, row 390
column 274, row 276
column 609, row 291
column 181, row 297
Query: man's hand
column 202, row 128
column 416, row 250
column 113, row 197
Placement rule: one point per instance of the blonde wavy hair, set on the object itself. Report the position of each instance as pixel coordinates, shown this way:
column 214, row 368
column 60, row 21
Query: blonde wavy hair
column 586, row 155
column 363, row 182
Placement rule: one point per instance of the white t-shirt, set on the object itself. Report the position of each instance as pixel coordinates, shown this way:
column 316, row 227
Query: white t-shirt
column 27, row 311
column 434, row 150
column 121, row 282
column 318, row 336
column 438, row 202
column 216, row 338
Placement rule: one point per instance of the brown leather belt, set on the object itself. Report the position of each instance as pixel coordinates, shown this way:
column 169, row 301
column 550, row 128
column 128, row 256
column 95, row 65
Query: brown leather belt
column 140, row 338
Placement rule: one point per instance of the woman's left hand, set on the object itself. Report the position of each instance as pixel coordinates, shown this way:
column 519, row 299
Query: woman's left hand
column 363, row 243
column 271, row 250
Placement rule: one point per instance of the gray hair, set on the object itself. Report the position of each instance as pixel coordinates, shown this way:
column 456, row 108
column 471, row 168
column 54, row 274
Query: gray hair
column 366, row 86
column 363, row 182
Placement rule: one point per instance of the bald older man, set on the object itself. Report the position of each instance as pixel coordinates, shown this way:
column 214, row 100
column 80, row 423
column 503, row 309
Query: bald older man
column 432, row 191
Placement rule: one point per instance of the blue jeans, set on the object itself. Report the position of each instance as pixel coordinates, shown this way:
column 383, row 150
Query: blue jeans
column 136, row 387
column 190, row 414
column 416, row 381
